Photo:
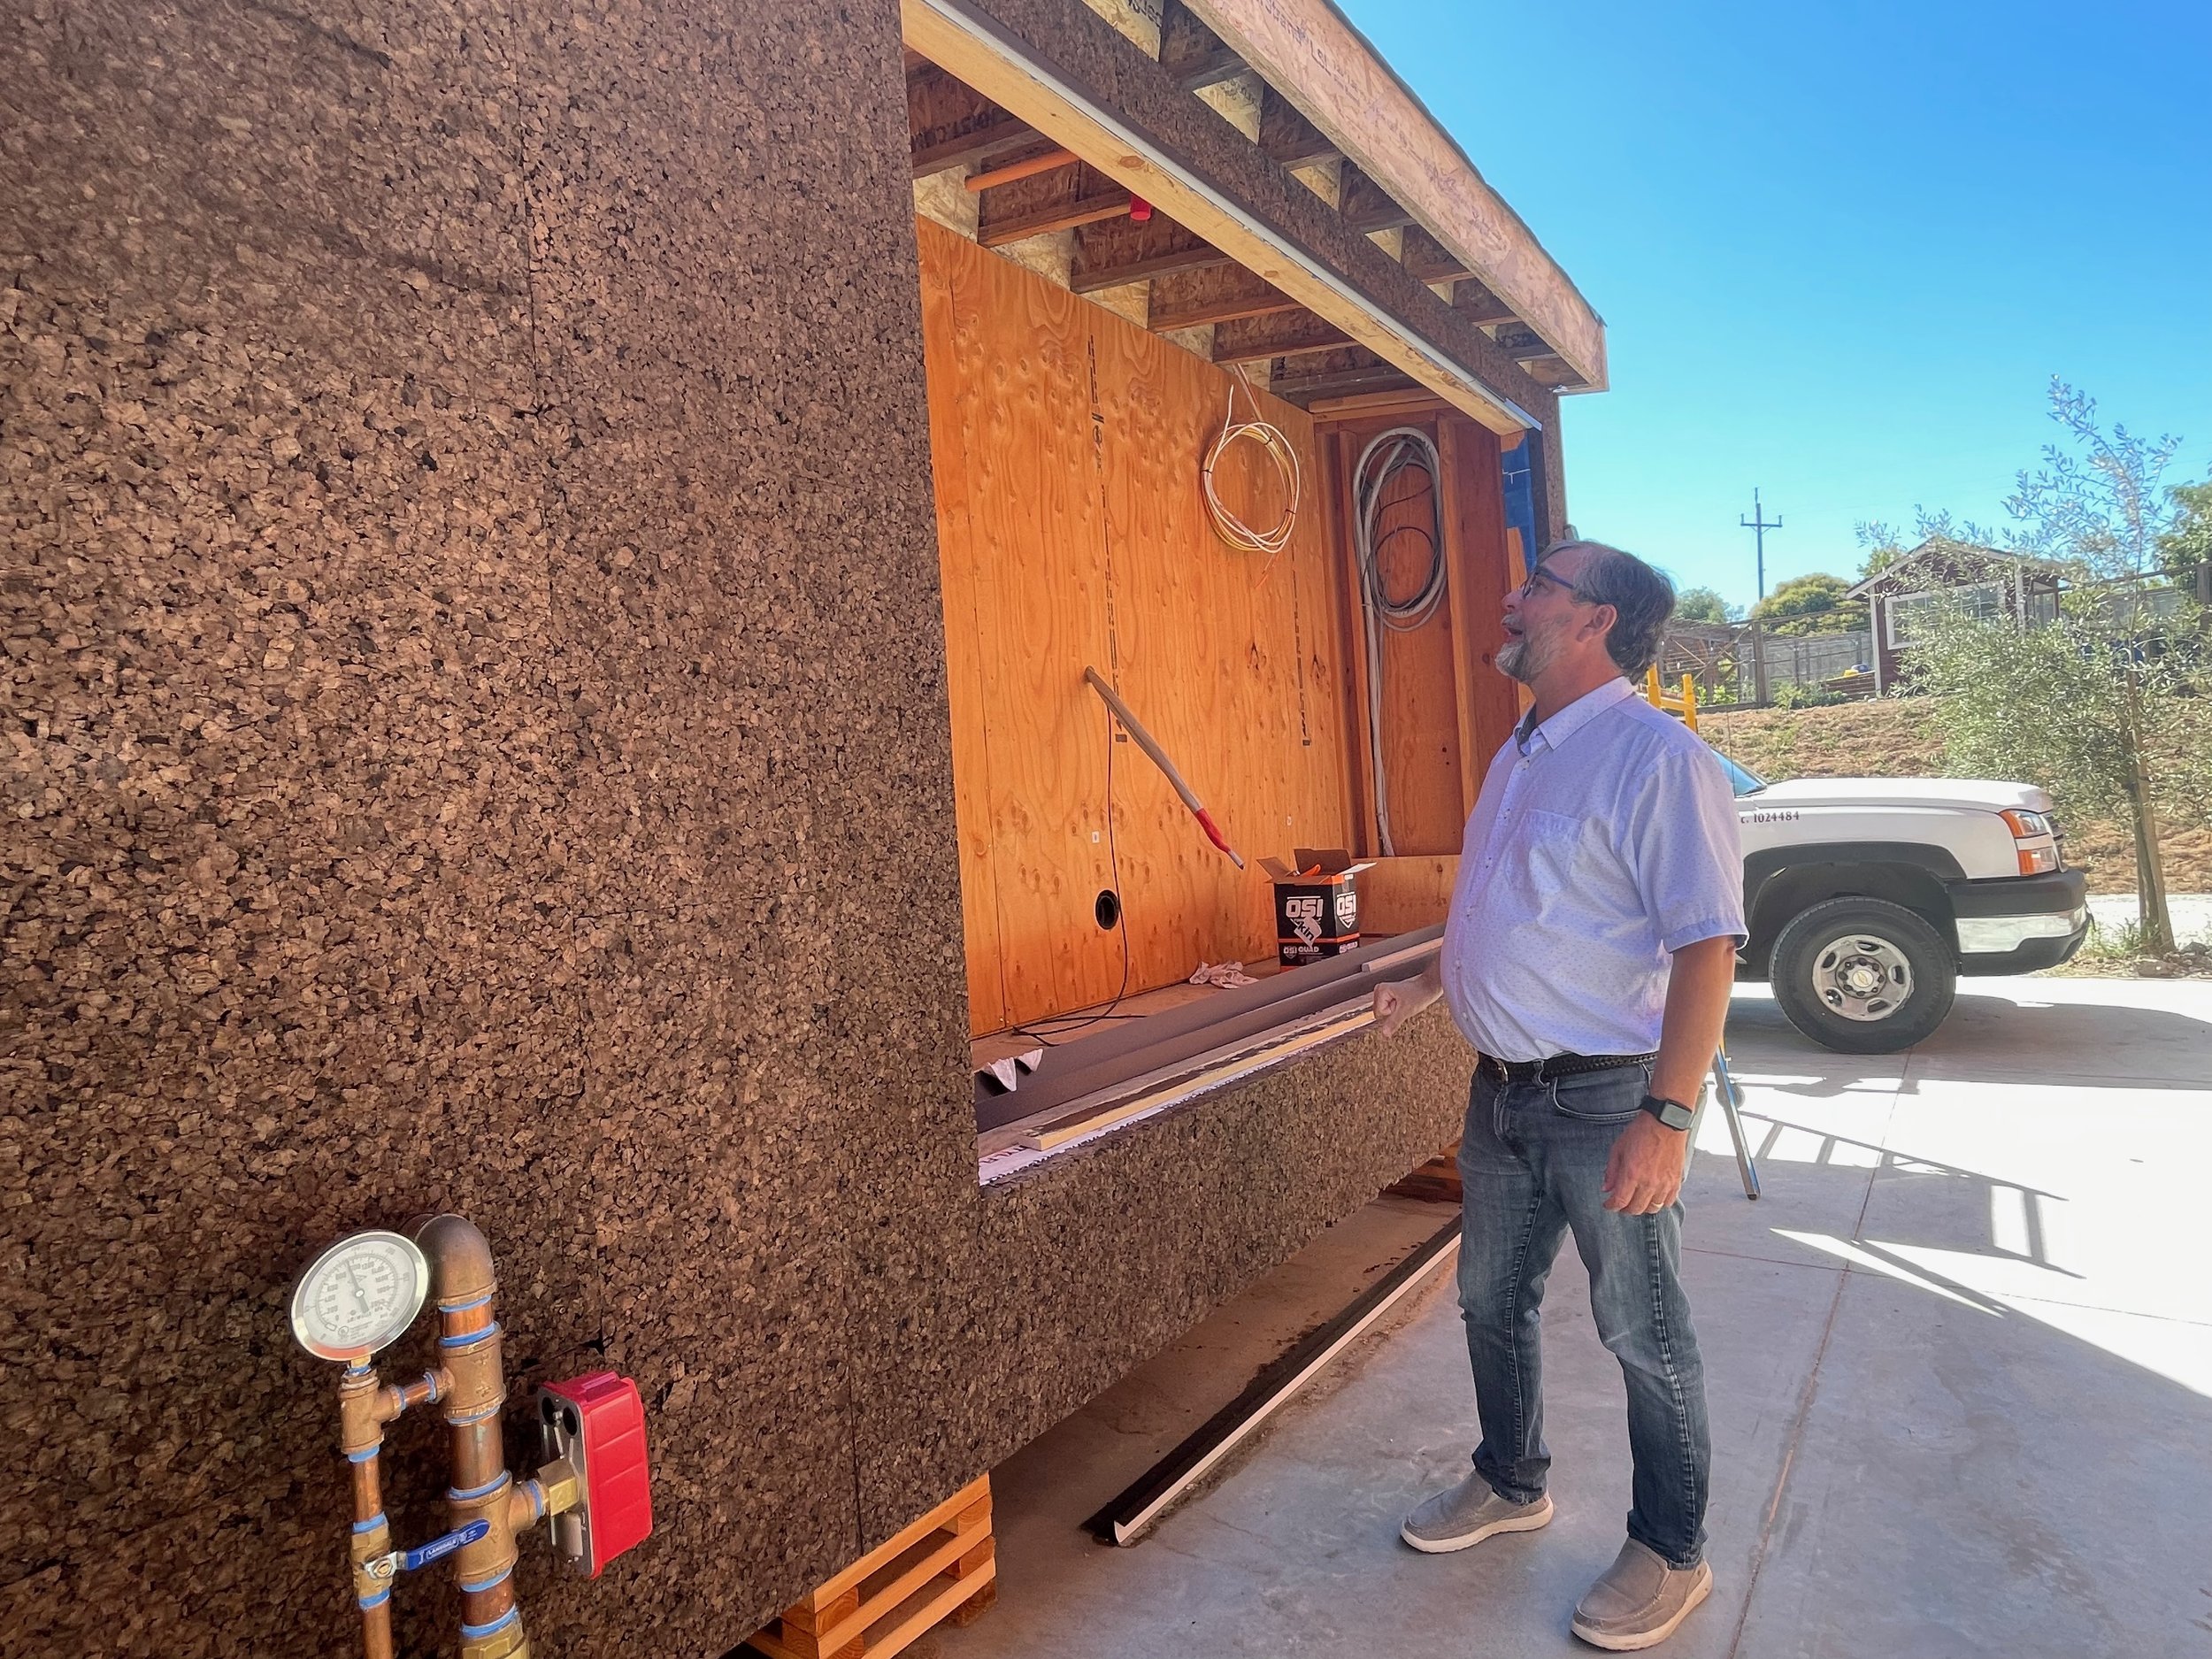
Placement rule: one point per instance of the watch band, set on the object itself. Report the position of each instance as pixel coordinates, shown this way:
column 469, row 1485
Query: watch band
column 1673, row 1113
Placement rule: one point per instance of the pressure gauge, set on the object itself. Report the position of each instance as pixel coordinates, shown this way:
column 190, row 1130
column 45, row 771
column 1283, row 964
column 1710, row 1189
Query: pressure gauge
column 359, row 1295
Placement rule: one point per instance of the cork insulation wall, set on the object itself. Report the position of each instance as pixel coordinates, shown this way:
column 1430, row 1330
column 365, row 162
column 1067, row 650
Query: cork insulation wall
column 478, row 741
column 472, row 636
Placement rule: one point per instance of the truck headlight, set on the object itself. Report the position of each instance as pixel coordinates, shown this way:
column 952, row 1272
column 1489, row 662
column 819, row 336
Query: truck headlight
column 2035, row 840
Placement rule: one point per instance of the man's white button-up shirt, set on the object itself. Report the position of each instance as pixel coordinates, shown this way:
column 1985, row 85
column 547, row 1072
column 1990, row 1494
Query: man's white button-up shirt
column 1603, row 840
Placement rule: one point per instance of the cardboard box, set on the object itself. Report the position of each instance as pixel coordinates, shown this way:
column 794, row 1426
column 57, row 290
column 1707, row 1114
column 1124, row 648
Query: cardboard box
column 1317, row 904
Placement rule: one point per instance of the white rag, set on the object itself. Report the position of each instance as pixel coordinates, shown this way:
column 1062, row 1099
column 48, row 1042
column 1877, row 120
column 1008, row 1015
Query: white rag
column 1227, row 975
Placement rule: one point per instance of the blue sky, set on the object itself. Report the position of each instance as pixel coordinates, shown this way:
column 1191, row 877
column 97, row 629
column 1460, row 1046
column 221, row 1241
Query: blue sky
column 1841, row 248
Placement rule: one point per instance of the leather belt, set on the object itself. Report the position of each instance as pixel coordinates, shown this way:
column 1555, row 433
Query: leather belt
column 1556, row 1066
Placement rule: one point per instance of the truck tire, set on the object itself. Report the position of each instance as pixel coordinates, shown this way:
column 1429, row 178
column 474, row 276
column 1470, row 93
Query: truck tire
column 1863, row 976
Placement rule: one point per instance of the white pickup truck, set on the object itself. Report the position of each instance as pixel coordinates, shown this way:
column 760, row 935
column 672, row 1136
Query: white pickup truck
column 1867, row 897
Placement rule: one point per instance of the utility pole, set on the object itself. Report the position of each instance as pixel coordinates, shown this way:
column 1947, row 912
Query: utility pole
column 1759, row 523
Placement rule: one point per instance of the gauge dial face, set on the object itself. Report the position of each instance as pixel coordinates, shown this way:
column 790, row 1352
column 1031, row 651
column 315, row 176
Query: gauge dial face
column 359, row 1295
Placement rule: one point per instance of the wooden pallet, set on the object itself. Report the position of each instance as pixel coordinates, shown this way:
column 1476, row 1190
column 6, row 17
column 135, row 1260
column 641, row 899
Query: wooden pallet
column 944, row 1567
column 1436, row 1181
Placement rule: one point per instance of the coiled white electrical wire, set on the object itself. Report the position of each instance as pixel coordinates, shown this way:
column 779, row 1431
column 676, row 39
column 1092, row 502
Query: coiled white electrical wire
column 1232, row 529
column 1386, row 455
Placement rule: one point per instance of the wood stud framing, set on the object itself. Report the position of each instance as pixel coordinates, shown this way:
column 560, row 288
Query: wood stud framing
column 1193, row 53
column 1285, row 334
column 1192, row 283
column 1059, row 200
column 1110, row 252
column 1287, row 138
column 1220, row 294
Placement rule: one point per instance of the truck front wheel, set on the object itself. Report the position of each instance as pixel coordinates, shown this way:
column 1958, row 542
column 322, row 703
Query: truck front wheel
column 1863, row 976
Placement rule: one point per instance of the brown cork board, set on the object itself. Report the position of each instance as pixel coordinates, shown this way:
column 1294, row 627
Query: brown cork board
column 473, row 644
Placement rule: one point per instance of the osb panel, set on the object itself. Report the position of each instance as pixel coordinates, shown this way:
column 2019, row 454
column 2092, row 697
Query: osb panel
column 1072, row 533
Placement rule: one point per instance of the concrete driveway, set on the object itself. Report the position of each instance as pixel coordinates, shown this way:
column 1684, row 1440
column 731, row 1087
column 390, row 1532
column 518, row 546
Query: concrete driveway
column 1960, row 1358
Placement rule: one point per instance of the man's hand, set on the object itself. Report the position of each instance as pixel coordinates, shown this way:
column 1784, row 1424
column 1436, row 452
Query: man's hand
column 1397, row 1001
column 1645, row 1172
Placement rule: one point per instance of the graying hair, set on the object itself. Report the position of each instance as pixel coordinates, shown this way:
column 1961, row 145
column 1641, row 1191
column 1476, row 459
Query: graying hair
column 1642, row 597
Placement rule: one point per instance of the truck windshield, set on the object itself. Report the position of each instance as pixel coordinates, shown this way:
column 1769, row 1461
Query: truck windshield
column 1743, row 781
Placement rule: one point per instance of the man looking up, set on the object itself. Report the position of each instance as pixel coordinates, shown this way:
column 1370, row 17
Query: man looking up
column 1587, row 957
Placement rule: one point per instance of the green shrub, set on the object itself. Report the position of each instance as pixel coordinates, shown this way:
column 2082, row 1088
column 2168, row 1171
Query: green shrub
column 1803, row 697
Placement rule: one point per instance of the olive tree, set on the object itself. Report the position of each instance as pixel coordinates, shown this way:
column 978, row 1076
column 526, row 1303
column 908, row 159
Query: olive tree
column 2103, row 699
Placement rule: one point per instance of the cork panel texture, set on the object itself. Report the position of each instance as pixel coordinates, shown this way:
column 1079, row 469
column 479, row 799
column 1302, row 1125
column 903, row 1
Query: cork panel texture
column 471, row 636
column 987, row 1315
column 479, row 742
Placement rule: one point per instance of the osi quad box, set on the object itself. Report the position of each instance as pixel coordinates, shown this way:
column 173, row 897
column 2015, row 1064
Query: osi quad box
column 1317, row 904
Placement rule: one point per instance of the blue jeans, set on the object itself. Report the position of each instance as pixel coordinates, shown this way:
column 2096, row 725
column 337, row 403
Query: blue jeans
column 1532, row 1159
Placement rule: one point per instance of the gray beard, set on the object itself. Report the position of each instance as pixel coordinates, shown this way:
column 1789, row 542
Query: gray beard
column 1522, row 659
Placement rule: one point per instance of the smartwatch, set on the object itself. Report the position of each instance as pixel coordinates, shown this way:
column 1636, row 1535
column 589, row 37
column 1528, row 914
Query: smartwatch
column 1673, row 1113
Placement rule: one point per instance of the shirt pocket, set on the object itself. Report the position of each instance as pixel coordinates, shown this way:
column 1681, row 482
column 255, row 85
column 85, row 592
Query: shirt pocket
column 1556, row 863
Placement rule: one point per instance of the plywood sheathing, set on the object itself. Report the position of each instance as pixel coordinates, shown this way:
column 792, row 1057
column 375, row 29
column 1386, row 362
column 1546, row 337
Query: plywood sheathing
column 1071, row 531
column 1437, row 733
column 1090, row 55
column 473, row 618
column 1307, row 52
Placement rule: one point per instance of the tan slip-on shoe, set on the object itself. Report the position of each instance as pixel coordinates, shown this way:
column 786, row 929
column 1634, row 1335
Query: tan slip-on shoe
column 1639, row 1601
column 1467, row 1514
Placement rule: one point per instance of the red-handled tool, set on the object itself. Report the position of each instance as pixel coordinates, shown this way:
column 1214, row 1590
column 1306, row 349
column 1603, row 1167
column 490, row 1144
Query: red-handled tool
column 1151, row 746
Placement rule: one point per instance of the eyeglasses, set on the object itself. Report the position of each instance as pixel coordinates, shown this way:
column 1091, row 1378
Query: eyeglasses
column 1538, row 576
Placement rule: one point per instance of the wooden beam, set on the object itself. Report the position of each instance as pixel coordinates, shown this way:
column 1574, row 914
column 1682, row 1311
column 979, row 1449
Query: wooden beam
column 1110, row 252
column 949, row 124
column 1057, row 200
column 1000, row 65
column 1411, row 400
column 1193, row 53
column 1459, row 454
column 1367, row 206
column 1429, row 260
column 1288, row 138
column 1307, row 52
column 1063, row 215
column 1284, row 334
column 1377, row 377
column 1219, row 295
column 1556, row 374
column 1479, row 305
column 1522, row 346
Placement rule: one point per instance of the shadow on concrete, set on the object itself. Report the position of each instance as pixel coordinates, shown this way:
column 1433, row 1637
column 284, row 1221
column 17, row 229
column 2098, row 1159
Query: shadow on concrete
column 1961, row 1389
column 1989, row 1037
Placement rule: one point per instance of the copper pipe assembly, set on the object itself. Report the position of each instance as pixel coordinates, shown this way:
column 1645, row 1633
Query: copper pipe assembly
column 481, row 1489
column 364, row 1407
column 486, row 1507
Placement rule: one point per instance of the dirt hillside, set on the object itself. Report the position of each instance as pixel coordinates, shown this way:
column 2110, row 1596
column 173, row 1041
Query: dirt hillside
column 1896, row 738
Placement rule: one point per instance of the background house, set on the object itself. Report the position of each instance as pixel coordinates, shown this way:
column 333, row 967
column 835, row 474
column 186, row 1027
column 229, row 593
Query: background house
column 1989, row 581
